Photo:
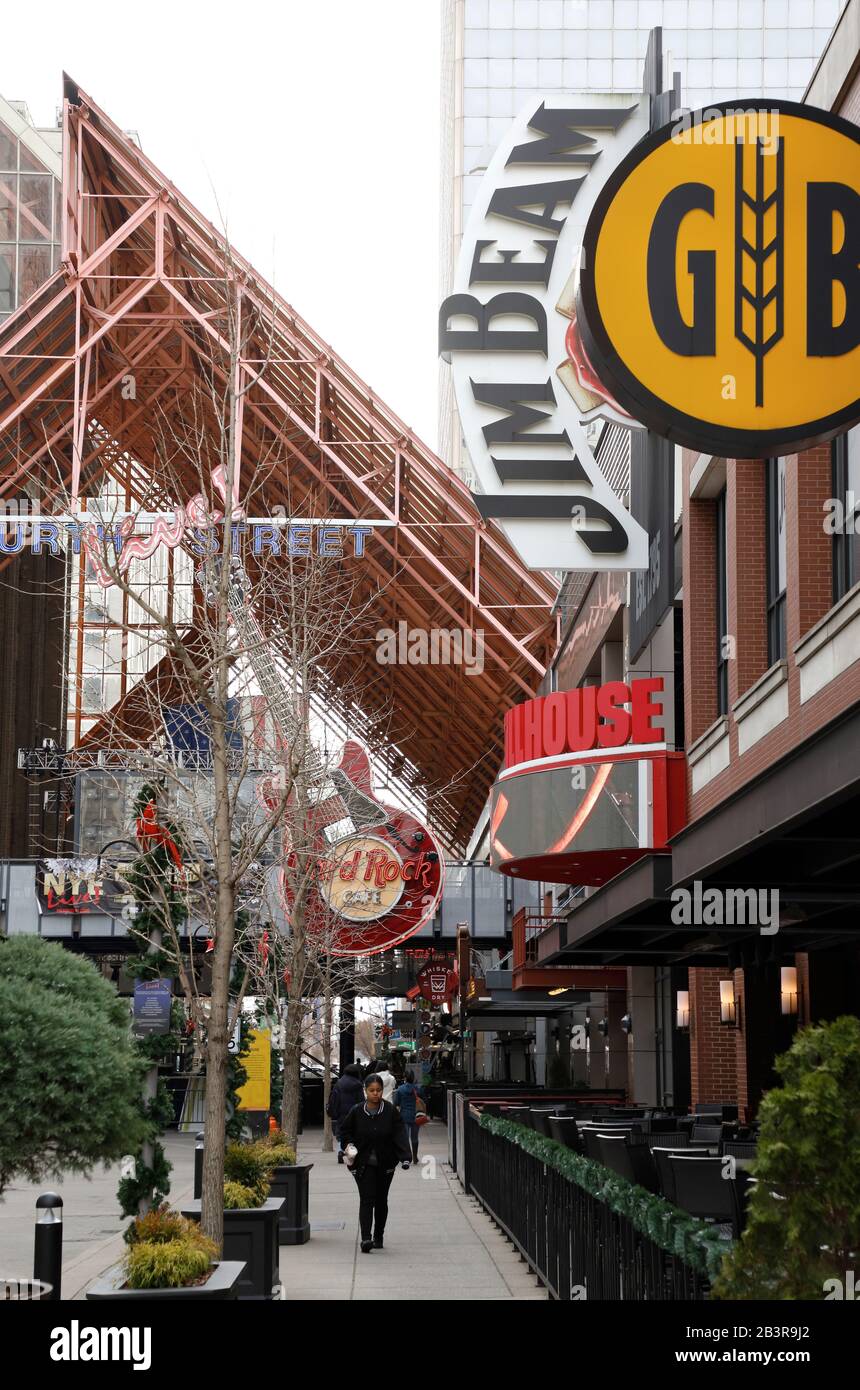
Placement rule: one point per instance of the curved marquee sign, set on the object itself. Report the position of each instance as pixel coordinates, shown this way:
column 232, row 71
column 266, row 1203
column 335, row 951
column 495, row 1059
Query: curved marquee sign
column 719, row 294
column 522, row 379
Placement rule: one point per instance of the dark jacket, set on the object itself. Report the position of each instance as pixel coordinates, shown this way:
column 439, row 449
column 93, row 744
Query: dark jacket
column 404, row 1099
column 346, row 1092
column 385, row 1135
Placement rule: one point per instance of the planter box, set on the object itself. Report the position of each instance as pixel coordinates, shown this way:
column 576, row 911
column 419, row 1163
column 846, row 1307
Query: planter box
column 251, row 1235
column 222, row 1283
column 290, row 1182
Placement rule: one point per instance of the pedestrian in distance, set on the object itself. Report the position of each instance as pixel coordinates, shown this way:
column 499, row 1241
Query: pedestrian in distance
column 346, row 1092
column 410, row 1103
column 388, row 1079
column 375, row 1142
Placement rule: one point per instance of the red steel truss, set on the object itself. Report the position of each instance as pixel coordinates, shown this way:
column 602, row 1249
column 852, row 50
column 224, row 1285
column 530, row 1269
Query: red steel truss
column 138, row 291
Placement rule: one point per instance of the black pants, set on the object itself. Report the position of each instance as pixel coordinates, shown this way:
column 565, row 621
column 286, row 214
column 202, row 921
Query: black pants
column 373, row 1185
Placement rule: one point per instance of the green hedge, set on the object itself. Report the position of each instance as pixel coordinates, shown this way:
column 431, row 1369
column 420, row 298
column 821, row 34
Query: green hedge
column 699, row 1245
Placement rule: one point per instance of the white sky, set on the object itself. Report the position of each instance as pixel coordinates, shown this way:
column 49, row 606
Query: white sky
column 313, row 124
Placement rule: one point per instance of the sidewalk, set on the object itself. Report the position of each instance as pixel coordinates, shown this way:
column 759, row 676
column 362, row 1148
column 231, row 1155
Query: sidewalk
column 92, row 1225
column 438, row 1242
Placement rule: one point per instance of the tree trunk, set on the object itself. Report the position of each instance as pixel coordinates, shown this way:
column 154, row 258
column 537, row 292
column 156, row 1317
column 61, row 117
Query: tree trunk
column 292, row 1092
column 150, row 1091
column 327, row 1144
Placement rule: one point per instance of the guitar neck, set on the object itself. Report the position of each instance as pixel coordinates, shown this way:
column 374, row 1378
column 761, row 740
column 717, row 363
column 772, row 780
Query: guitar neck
column 347, row 800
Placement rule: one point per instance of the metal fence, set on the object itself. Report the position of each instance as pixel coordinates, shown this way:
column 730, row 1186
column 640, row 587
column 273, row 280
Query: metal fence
column 577, row 1246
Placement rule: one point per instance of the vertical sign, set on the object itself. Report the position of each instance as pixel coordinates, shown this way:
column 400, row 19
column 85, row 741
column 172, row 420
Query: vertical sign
column 652, row 502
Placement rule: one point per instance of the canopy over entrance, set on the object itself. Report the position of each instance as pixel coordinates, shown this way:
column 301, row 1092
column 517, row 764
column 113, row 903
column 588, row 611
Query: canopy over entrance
column 140, row 292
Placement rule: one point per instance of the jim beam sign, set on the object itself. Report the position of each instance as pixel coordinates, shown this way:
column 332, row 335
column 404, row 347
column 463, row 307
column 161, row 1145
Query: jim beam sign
column 522, row 379
column 719, row 294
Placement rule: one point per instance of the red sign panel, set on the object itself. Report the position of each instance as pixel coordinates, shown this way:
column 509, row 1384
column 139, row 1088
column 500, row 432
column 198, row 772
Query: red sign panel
column 437, row 981
column 605, row 716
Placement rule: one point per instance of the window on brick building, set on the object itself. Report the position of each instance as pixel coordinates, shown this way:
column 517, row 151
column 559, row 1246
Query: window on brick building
column 845, row 456
column 722, row 606
column 776, row 559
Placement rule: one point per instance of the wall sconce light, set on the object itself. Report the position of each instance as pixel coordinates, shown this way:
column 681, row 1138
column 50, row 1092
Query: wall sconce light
column 627, row 1024
column 682, row 1009
column 788, row 990
column 728, row 1003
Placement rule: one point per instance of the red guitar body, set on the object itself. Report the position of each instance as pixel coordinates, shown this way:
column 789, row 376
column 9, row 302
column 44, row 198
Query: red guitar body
column 378, row 885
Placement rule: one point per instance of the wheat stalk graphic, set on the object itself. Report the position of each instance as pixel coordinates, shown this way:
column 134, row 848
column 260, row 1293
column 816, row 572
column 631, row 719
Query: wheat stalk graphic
column 758, row 255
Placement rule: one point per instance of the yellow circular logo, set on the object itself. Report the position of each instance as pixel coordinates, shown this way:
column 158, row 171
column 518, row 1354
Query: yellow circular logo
column 363, row 878
column 719, row 294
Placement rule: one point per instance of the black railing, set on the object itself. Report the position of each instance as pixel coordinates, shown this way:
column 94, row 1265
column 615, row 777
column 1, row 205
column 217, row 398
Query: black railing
column 576, row 1244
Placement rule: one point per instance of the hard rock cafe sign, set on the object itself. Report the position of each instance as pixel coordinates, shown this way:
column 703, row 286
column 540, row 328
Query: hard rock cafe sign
column 525, row 388
column 365, row 878
column 375, row 886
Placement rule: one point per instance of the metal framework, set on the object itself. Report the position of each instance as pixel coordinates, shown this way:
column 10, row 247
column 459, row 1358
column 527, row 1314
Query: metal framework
column 138, row 291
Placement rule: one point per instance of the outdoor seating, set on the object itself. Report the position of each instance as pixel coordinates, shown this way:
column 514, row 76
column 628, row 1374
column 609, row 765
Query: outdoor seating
column 630, row 1161
column 717, row 1107
column 540, row 1118
column 739, row 1148
column 702, row 1189
column 563, row 1129
column 669, row 1139
column 665, row 1174
column 706, row 1134
column 519, row 1114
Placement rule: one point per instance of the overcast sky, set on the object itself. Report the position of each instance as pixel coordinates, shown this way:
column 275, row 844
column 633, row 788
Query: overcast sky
column 314, row 124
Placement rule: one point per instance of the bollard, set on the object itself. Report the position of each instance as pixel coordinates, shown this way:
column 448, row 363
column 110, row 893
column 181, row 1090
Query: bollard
column 48, row 1248
column 198, row 1167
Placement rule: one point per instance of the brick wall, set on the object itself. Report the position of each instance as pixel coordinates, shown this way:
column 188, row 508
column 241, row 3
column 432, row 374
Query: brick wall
column 746, row 545
column 713, row 1059
column 808, row 599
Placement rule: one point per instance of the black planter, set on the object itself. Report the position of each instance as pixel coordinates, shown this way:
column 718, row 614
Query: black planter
column 290, row 1182
column 251, row 1235
column 223, row 1283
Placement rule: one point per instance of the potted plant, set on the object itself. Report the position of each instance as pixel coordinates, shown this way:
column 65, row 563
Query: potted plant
column 250, row 1221
column 168, row 1257
column 289, row 1180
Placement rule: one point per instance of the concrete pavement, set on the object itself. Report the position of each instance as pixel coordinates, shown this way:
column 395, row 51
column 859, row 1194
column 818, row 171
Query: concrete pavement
column 92, row 1225
column 439, row 1245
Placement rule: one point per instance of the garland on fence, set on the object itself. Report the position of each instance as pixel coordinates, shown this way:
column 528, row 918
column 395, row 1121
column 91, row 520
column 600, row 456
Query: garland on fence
column 700, row 1246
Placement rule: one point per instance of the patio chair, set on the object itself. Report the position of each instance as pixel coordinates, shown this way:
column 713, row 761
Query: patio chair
column 665, row 1174
column 519, row 1114
column 563, row 1129
column 630, row 1161
column 702, row 1189
column 739, row 1148
column 706, row 1134
column 669, row 1139
column 540, row 1118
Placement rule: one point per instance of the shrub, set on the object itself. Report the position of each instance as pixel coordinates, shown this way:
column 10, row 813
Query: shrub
column 274, row 1155
column 168, row 1264
column 237, row 1195
column 243, row 1163
column 161, row 1225
column 67, row 1064
column 803, row 1222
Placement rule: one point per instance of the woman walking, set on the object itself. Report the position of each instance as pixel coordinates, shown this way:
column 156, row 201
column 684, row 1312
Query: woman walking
column 346, row 1092
column 410, row 1103
column 376, row 1131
